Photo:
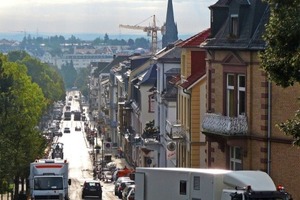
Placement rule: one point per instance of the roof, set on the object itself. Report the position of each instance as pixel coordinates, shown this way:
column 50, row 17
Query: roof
column 175, row 79
column 147, row 77
column 196, row 40
column 192, row 79
column 171, row 51
column 252, row 14
column 114, row 63
column 101, row 68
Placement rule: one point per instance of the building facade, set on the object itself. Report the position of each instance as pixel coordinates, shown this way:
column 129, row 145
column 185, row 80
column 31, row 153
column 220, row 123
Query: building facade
column 243, row 107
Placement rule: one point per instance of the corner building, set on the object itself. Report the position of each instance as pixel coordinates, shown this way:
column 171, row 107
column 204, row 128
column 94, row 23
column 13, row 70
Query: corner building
column 243, row 107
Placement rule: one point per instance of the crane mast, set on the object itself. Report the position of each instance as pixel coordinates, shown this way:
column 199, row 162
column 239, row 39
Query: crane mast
column 151, row 30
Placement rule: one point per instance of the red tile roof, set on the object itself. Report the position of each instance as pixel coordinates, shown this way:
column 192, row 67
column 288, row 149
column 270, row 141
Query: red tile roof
column 195, row 40
column 192, row 79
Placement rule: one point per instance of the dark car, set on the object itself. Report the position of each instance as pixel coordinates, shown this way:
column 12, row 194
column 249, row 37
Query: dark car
column 91, row 188
column 67, row 130
column 77, row 128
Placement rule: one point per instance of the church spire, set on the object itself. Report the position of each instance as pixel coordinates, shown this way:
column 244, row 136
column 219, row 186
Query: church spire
column 171, row 34
column 170, row 13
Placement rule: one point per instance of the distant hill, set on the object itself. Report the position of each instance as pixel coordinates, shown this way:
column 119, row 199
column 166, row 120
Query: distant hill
column 82, row 36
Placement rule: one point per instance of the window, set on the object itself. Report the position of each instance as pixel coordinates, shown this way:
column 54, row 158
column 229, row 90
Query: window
column 235, row 95
column 182, row 187
column 234, row 25
column 196, row 182
column 236, row 158
column 151, row 103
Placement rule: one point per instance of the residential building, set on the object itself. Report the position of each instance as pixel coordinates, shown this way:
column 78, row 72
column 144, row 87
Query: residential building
column 186, row 131
column 165, row 102
column 243, row 106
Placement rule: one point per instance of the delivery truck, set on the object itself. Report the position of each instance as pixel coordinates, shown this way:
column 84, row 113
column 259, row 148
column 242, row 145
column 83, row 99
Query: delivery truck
column 48, row 179
column 205, row 184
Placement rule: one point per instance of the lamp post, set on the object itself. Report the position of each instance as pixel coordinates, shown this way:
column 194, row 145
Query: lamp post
column 102, row 140
column 95, row 146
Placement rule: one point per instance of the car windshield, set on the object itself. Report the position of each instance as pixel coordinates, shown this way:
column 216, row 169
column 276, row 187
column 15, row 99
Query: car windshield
column 89, row 185
column 48, row 183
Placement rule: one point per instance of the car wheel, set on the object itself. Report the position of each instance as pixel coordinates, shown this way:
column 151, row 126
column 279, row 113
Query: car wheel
column 82, row 196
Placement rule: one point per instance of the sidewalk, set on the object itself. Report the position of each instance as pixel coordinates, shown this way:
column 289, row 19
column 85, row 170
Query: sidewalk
column 120, row 162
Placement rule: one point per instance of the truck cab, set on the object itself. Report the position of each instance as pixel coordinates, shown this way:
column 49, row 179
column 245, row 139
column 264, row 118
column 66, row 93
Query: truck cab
column 48, row 179
column 246, row 194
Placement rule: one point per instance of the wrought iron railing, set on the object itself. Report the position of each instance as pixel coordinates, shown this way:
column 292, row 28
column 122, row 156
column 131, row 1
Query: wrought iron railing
column 219, row 124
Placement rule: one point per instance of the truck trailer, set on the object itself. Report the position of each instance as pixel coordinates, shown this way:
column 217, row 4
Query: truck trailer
column 205, row 184
column 48, row 179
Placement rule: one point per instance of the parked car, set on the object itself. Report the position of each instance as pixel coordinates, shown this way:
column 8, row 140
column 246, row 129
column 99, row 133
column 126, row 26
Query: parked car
column 118, row 182
column 102, row 173
column 92, row 188
column 130, row 195
column 122, row 186
column 67, row 130
column 126, row 191
column 57, row 133
column 107, row 176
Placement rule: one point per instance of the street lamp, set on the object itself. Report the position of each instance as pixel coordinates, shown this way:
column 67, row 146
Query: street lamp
column 102, row 140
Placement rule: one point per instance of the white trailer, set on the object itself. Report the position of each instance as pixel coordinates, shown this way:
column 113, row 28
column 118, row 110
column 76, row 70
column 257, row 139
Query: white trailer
column 48, row 179
column 205, row 184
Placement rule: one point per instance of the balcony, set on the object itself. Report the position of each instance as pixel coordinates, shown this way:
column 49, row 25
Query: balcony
column 174, row 130
column 224, row 125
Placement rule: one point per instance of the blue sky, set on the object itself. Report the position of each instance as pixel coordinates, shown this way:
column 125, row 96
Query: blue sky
column 100, row 16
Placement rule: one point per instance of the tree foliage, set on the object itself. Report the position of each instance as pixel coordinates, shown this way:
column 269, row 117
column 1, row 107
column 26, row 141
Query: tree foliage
column 69, row 74
column 48, row 79
column 150, row 131
column 21, row 106
column 82, row 80
column 281, row 58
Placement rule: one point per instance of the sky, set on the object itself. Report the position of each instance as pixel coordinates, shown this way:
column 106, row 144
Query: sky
column 100, row 16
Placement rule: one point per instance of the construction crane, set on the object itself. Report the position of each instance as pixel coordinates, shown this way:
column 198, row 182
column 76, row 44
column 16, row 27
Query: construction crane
column 151, row 30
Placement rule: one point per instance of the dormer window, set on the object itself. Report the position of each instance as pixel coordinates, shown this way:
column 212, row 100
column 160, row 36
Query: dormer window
column 234, row 25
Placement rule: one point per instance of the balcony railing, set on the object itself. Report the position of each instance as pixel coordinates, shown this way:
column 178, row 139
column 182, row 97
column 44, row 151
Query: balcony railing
column 174, row 130
column 219, row 124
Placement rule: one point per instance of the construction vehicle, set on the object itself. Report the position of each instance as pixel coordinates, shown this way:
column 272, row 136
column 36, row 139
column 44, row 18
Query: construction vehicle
column 205, row 184
column 57, row 150
column 48, row 179
column 151, row 30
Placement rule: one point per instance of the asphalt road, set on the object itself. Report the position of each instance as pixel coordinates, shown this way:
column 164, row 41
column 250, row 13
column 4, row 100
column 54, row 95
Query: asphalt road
column 76, row 151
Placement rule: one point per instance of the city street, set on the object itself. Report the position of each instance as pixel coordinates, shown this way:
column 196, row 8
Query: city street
column 76, row 151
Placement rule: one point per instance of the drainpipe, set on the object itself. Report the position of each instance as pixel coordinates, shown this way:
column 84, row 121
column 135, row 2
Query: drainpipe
column 269, row 128
column 190, row 125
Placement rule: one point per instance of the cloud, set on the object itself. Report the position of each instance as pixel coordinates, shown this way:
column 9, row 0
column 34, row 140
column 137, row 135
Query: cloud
column 100, row 15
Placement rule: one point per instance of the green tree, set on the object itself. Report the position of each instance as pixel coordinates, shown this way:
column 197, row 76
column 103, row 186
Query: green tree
column 21, row 106
column 281, row 58
column 45, row 76
column 82, row 80
column 106, row 38
column 142, row 43
column 69, row 74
